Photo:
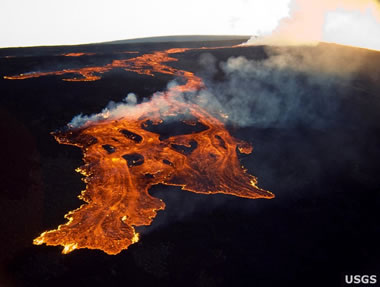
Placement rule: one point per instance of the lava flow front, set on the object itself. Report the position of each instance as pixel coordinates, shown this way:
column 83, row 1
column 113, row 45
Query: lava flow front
column 125, row 155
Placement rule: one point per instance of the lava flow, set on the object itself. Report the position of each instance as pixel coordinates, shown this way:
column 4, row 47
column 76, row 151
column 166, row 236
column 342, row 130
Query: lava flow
column 147, row 64
column 126, row 154
column 78, row 54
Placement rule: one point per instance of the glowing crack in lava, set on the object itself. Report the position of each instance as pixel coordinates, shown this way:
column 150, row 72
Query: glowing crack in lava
column 125, row 155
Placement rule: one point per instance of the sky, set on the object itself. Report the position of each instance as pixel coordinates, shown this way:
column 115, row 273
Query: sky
column 51, row 22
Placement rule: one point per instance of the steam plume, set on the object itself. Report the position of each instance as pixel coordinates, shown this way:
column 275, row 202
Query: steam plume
column 347, row 22
column 292, row 86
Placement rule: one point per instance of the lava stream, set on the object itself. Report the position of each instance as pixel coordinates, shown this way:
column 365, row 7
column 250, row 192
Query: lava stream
column 147, row 64
column 78, row 54
column 125, row 156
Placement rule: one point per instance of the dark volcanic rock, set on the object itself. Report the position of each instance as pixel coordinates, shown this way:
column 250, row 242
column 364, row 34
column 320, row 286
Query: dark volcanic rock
column 322, row 224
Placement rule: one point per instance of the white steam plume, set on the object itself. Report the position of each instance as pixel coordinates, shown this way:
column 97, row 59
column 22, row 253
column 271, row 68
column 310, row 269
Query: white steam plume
column 347, row 22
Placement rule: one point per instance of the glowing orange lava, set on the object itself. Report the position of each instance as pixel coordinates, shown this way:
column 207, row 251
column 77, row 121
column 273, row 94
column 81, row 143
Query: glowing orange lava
column 147, row 64
column 78, row 54
column 126, row 155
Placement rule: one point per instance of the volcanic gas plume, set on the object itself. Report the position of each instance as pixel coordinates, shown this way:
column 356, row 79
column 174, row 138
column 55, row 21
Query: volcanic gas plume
column 347, row 22
column 125, row 154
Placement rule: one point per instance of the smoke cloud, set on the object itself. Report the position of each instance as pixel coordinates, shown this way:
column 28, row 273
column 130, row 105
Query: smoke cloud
column 126, row 108
column 348, row 22
column 292, row 86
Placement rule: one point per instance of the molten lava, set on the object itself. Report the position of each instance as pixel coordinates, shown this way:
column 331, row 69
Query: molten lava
column 78, row 54
column 147, row 64
column 125, row 155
